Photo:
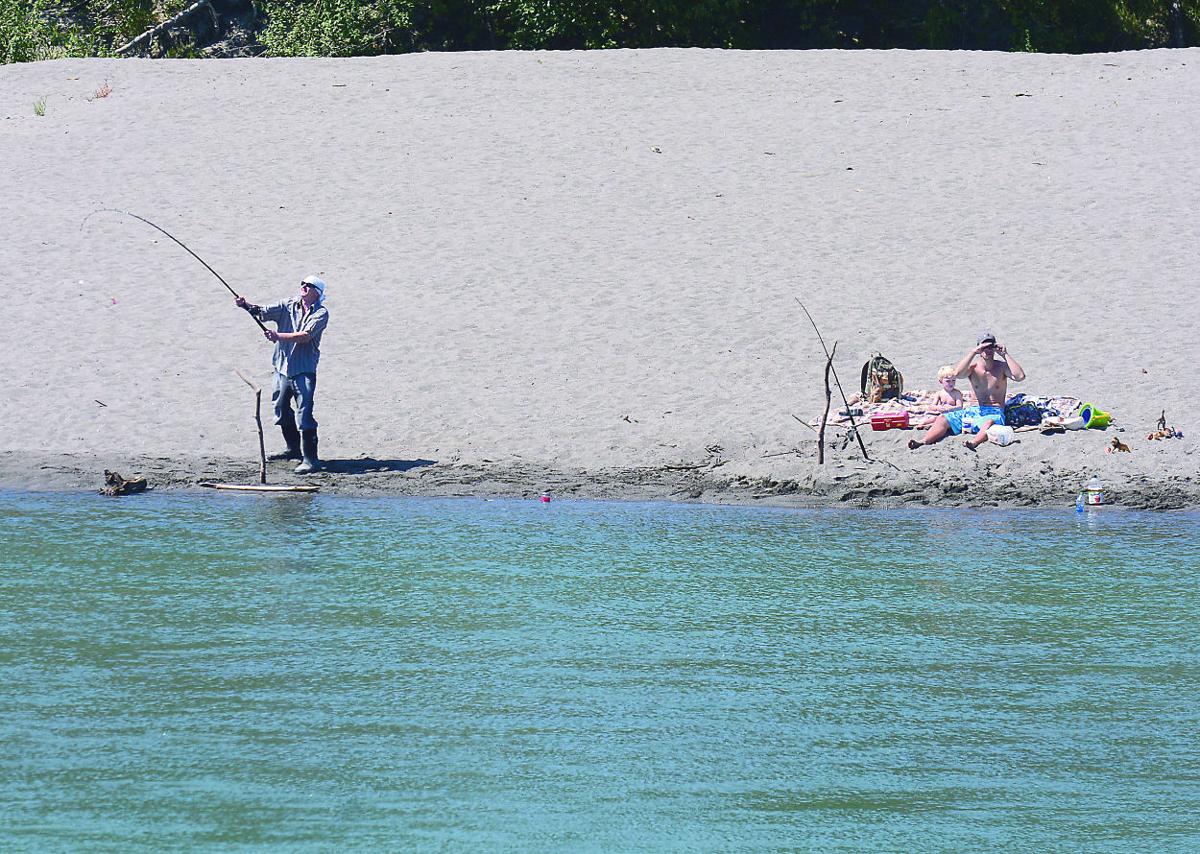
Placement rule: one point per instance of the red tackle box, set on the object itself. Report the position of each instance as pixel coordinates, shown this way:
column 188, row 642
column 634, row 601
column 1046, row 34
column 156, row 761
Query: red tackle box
column 890, row 420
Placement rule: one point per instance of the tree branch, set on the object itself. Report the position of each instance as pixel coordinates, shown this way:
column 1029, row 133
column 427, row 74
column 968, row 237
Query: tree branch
column 147, row 36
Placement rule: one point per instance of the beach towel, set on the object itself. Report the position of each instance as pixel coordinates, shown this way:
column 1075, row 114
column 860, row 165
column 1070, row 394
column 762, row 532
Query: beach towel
column 923, row 410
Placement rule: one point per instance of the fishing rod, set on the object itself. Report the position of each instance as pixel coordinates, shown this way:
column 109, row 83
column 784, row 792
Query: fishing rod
column 829, row 361
column 178, row 241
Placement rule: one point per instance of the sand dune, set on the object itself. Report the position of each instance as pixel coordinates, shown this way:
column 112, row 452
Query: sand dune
column 562, row 267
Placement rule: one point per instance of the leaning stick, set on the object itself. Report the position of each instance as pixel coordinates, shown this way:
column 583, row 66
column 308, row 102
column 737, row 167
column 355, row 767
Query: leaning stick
column 262, row 445
column 829, row 356
column 805, row 423
column 825, row 416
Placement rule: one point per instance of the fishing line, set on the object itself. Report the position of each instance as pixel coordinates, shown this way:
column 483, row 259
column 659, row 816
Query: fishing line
column 180, row 243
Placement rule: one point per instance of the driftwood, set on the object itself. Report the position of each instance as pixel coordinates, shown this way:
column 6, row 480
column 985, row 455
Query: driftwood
column 256, row 487
column 262, row 445
column 114, row 484
column 828, row 399
column 146, row 37
column 786, row 453
column 853, row 425
column 805, row 423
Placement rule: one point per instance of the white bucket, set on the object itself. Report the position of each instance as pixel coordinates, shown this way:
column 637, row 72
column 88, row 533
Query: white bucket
column 1001, row 435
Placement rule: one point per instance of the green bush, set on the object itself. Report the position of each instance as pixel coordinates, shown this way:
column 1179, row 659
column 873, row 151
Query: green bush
column 25, row 33
column 32, row 30
column 336, row 27
column 41, row 29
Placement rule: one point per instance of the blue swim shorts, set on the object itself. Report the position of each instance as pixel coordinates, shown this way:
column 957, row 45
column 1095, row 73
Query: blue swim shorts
column 970, row 418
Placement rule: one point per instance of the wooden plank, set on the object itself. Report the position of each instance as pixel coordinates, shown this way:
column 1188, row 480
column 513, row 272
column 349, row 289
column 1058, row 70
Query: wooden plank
column 262, row 487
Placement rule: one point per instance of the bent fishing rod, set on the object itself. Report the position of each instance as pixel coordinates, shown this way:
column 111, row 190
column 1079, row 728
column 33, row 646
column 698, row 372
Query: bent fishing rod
column 178, row 241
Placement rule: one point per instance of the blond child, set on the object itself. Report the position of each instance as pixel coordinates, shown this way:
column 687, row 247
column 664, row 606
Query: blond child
column 948, row 397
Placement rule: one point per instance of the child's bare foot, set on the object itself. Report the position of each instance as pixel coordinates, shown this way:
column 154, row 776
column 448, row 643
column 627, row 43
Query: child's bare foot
column 913, row 444
column 967, row 444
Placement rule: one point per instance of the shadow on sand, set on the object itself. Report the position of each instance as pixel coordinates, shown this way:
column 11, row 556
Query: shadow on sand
column 370, row 465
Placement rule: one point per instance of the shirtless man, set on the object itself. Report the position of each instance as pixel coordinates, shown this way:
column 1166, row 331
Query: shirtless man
column 989, row 378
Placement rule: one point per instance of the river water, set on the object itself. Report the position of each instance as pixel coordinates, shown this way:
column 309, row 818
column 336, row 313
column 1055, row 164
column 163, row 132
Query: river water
column 315, row 673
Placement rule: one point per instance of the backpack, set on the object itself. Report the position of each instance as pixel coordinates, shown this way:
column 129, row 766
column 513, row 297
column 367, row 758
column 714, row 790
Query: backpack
column 1022, row 414
column 880, row 380
column 1019, row 412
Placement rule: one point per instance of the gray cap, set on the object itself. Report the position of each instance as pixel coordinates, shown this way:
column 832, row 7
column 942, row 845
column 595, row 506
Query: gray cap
column 986, row 336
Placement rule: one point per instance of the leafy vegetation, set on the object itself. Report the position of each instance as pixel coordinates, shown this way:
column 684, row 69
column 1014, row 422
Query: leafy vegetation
column 41, row 29
column 31, row 30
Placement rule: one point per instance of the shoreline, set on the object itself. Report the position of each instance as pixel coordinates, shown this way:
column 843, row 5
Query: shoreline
column 580, row 271
column 845, row 483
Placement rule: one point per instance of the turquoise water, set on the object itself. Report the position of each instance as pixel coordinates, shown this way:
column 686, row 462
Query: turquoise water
column 315, row 673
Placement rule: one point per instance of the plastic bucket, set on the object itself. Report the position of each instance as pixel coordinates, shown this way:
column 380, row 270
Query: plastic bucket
column 1094, row 417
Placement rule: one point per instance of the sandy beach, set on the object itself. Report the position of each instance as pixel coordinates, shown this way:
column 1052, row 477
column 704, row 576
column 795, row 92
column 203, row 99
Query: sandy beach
column 578, row 272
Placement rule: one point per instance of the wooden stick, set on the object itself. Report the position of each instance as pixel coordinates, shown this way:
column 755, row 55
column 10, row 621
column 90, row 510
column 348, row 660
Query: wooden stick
column 278, row 487
column 825, row 415
column 853, row 426
column 805, row 423
column 262, row 445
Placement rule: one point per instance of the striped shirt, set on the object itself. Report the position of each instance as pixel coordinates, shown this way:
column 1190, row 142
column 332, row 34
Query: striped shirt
column 293, row 358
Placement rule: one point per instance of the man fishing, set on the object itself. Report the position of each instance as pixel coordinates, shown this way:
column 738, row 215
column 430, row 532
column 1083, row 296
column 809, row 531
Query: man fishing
column 299, row 322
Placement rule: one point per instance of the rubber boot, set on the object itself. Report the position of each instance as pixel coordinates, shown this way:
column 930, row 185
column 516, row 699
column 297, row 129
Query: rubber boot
column 291, row 437
column 308, row 441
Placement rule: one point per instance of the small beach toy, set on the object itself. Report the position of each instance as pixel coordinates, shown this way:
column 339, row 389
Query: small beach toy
column 1093, row 417
column 545, row 498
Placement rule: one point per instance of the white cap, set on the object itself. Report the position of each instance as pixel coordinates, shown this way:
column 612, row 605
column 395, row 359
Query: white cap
column 317, row 282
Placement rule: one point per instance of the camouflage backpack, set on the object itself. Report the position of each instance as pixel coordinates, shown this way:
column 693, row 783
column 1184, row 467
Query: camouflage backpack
column 880, row 380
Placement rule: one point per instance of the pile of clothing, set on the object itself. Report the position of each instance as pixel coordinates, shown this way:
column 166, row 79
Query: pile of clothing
column 1022, row 410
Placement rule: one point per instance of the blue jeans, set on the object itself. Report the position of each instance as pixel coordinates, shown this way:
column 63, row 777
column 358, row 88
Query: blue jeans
column 303, row 387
